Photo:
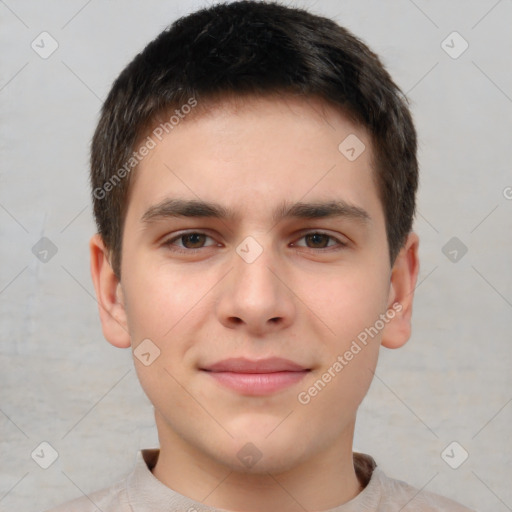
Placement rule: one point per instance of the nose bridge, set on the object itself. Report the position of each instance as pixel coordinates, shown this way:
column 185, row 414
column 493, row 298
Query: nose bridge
column 250, row 249
column 253, row 261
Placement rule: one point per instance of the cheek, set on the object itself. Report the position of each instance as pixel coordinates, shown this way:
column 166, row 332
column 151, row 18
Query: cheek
column 163, row 304
column 166, row 306
column 161, row 299
column 348, row 302
column 350, row 305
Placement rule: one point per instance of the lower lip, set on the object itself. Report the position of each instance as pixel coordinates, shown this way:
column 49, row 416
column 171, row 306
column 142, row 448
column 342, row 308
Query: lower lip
column 258, row 383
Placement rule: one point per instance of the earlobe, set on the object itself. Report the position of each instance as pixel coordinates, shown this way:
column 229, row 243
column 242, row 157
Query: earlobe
column 109, row 295
column 403, row 282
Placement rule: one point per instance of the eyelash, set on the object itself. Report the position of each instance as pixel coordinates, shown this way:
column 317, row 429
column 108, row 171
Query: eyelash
column 169, row 243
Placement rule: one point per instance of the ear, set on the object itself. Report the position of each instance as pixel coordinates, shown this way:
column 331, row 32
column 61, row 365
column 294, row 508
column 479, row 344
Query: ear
column 401, row 293
column 109, row 295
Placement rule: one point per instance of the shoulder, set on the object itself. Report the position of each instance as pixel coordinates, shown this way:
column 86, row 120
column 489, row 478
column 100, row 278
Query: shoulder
column 394, row 492
column 110, row 499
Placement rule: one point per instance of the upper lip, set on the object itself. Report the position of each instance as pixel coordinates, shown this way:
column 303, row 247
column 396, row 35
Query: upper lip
column 243, row 365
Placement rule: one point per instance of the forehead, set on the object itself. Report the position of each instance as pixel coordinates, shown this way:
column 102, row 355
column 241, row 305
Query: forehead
column 254, row 155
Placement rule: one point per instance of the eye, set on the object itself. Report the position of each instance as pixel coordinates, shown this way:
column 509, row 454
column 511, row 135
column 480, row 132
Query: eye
column 191, row 242
column 320, row 241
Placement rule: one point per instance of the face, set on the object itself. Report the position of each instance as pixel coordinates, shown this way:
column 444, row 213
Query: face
column 264, row 309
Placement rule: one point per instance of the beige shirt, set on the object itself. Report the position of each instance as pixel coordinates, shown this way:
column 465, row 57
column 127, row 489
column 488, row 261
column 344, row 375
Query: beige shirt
column 140, row 491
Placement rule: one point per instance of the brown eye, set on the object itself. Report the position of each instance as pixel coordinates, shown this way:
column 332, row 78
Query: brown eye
column 188, row 242
column 194, row 239
column 317, row 240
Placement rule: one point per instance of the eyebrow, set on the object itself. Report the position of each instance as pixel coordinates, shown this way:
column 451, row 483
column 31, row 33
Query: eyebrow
column 169, row 208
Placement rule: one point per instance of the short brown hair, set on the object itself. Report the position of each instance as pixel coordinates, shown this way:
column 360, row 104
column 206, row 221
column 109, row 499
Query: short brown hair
column 255, row 48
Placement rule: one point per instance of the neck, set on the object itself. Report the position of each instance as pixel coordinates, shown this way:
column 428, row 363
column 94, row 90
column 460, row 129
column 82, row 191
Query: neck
column 322, row 482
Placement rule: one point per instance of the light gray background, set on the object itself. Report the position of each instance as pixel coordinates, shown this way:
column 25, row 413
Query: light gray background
column 62, row 383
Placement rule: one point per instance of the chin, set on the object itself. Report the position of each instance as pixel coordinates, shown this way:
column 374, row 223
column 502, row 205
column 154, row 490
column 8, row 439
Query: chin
column 256, row 452
column 263, row 461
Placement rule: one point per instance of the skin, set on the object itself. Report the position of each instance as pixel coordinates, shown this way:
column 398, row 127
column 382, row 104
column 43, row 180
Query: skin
column 298, row 300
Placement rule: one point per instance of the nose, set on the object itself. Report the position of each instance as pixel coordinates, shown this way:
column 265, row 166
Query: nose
column 255, row 295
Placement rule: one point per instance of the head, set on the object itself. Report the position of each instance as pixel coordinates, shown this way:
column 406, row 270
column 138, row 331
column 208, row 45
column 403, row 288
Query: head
column 216, row 130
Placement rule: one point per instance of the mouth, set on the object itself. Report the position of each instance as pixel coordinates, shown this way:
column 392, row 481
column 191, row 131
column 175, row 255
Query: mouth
column 256, row 377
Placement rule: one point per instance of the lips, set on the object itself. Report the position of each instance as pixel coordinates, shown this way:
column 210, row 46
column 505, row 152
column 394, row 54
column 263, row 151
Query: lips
column 256, row 377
